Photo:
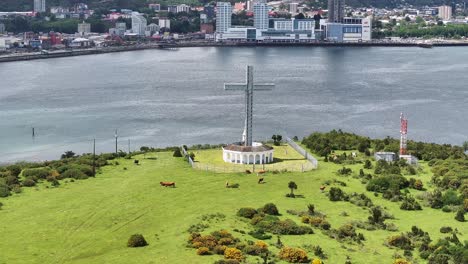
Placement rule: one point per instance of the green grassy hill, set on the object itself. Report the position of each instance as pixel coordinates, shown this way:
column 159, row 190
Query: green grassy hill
column 90, row 221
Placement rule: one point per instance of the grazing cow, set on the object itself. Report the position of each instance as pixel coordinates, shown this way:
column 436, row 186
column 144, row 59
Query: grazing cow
column 248, row 171
column 260, row 180
column 262, row 172
column 322, row 188
column 167, row 184
column 136, row 162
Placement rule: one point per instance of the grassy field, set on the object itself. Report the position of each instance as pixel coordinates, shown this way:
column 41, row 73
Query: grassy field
column 285, row 158
column 89, row 221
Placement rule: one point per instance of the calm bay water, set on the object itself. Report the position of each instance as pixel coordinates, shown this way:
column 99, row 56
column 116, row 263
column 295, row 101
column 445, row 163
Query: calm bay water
column 164, row 98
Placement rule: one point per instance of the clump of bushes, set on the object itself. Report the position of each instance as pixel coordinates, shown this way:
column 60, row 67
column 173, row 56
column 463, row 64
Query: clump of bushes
column 74, row 174
column 316, row 221
column 416, row 184
column 293, row 255
column 203, row 251
column 336, row 194
column 233, row 253
column 401, row 241
column 38, row 173
column 216, row 242
column 29, row 182
column 247, row 212
column 410, row 204
column 136, row 240
column 276, row 226
column 259, row 234
column 270, row 209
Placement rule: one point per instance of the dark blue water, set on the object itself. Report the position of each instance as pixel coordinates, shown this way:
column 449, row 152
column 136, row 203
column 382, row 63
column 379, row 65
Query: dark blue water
column 162, row 98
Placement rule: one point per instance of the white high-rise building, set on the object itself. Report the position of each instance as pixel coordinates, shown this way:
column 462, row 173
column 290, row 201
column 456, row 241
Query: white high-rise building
column 164, row 23
column 293, row 8
column 139, row 23
column 445, row 12
column 261, row 15
column 39, row 5
column 223, row 16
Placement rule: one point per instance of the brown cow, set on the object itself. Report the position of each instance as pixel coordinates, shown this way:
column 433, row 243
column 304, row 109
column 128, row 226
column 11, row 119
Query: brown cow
column 167, row 184
column 261, row 172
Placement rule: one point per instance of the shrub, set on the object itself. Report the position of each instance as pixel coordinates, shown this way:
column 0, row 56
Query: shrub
column 233, row 253
column 446, row 229
column 400, row 241
column 347, row 230
column 293, row 255
column 247, row 212
column 203, row 251
column 336, row 194
column 259, row 234
column 311, row 209
column 401, row 261
column 15, row 170
column 316, row 261
column 40, row 173
column 74, row 174
column 177, row 153
column 460, row 216
column 409, row 203
column 226, row 261
column 270, row 209
column 136, row 240
column 4, row 190
column 367, row 164
column 28, row 182
column 219, row 250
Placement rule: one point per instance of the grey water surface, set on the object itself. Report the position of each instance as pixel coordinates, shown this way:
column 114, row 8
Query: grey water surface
column 165, row 98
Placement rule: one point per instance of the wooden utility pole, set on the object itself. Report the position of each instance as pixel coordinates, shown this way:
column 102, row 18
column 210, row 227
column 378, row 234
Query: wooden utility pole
column 94, row 157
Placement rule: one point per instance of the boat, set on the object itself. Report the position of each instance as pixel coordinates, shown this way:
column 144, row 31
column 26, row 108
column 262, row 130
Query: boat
column 425, row 45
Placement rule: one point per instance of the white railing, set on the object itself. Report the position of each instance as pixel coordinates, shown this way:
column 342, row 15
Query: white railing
column 303, row 152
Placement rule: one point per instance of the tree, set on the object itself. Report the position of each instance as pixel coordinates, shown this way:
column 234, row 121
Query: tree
column 465, row 146
column 299, row 16
column 292, row 186
column 68, row 154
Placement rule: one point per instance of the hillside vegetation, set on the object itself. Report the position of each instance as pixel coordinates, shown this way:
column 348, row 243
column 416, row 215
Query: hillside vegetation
column 352, row 209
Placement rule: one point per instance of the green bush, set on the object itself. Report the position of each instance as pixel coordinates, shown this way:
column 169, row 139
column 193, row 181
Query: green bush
column 4, row 190
column 247, row 212
column 74, row 174
column 136, row 240
column 39, row 173
column 460, row 216
column 177, row 153
column 446, row 229
column 15, row 169
column 336, row 194
column 29, row 182
column 400, row 241
column 270, row 208
column 259, row 234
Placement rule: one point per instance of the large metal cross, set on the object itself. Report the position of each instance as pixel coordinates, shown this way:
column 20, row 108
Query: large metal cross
column 248, row 87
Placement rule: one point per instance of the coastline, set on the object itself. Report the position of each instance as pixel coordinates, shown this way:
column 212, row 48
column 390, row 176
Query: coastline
column 93, row 51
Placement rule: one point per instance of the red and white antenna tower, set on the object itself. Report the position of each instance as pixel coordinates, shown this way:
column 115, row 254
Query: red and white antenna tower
column 403, row 133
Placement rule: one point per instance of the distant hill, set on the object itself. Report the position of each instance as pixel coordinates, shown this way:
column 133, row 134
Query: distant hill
column 27, row 5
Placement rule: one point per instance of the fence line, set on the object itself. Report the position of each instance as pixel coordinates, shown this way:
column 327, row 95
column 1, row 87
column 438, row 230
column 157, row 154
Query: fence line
column 187, row 156
column 302, row 151
column 242, row 168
